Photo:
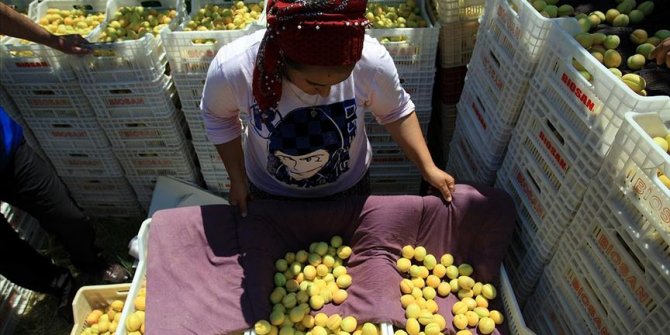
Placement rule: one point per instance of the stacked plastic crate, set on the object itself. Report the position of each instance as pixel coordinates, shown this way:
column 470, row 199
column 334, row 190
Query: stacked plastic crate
column 42, row 83
column 612, row 268
column 413, row 51
column 14, row 300
column 459, row 21
column 189, row 52
column 510, row 40
column 567, row 126
column 134, row 99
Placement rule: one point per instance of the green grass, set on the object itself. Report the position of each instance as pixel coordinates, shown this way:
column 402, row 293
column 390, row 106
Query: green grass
column 113, row 236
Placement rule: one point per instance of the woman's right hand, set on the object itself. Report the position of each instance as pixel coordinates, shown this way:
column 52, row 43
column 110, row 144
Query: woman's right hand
column 662, row 53
column 239, row 195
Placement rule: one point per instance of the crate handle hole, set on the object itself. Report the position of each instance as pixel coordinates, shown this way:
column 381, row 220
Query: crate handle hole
column 62, row 125
column 83, row 7
column 121, row 91
column 555, row 132
column 148, row 155
column 78, row 155
column 495, row 59
column 136, row 125
column 530, row 177
column 44, row 92
column 151, row 3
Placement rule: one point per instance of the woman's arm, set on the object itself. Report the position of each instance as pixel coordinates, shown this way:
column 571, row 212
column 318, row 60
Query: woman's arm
column 17, row 25
column 406, row 131
column 233, row 159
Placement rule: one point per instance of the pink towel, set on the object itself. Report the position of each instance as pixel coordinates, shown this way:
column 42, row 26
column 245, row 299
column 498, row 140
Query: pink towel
column 211, row 271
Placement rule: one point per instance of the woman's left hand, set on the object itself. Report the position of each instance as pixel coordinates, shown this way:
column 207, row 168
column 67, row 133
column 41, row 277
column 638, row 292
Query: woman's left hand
column 442, row 181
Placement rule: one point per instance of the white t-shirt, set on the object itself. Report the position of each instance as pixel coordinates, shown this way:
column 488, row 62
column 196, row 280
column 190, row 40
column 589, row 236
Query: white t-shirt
column 302, row 150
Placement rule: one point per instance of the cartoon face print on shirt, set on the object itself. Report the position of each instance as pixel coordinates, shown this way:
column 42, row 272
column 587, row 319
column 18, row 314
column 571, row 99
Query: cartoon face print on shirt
column 309, row 146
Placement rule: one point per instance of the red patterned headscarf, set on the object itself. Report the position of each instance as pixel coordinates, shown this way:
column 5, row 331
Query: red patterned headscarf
column 310, row 32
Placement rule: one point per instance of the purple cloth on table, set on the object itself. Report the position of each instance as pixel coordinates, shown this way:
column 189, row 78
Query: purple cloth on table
column 210, row 271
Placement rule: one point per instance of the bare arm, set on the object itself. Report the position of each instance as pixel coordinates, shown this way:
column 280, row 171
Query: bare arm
column 13, row 23
column 407, row 133
column 233, row 159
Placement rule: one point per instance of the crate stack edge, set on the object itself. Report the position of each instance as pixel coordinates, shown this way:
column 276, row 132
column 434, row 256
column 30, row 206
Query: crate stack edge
column 414, row 52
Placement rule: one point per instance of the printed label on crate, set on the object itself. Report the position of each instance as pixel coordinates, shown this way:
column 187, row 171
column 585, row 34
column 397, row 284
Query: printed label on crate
column 479, row 116
column 591, row 103
column 124, row 101
column 551, row 148
column 49, row 102
column 508, row 22
column 69, row 133
column 39, row 64
column 83, row 162
column 649, row 197
column 150, row 163
column 199, row 54
column 530, row 195
column 621, row 262
column 585, row 299
column 144, row 133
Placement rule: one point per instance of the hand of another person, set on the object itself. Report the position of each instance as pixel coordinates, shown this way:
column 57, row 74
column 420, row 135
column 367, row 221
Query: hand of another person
column 442, row 181
column 70, row 44
column 662, row 53
column 239, row 196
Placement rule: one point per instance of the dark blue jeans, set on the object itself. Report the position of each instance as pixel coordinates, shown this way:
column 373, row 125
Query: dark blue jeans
column 30, row 184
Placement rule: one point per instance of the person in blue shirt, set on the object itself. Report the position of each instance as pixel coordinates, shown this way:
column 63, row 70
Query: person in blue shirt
column 30, row 184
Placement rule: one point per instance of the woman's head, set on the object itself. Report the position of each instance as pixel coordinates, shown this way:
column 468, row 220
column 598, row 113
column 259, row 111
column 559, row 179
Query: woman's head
column 313, row 35
column 316, row 79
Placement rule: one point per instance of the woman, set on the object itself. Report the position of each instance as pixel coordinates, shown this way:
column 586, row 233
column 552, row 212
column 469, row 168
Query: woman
column 303, row 86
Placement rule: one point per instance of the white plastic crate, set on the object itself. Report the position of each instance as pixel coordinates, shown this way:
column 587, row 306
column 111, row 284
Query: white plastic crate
column 168, row 131
column 404, row 169
column 587, row 114
column 186, row 56
column 525, row 266
column 189, row 87
column 541, row 141
column 379, row 135
column 418, row 48
column 634, row 163
column 9, row 107
column 520, row 31
column 419, row 85
column 123, row 208
column 50, row 100
column 68, row 133
column 208, row 156
column 142, row 59
column 487, row 129
column 499, row 79
column 132, row 99
column 98, row 187
column 450, row 11
column 85, row 162
column 394, row 184
column 548, row 311
column 466, row 160
column 37, row 63
column 217, row 181
column 634, row 263
column 144, row 184
column 157, row 161
column 387, row 153
column 459, row 22
column 590, row 292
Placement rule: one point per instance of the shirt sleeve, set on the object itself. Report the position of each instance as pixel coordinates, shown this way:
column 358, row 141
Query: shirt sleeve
column 219, row 106
column 388, row 101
